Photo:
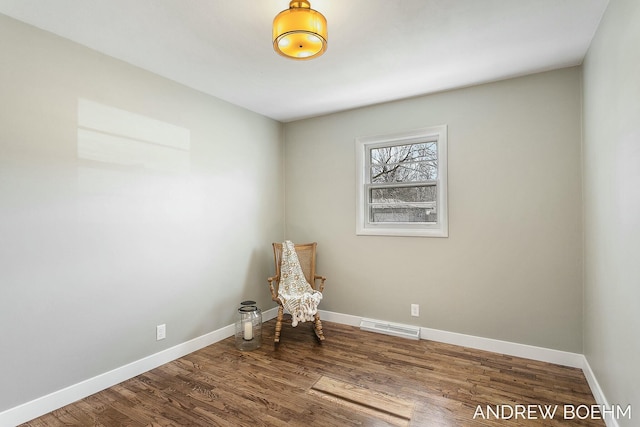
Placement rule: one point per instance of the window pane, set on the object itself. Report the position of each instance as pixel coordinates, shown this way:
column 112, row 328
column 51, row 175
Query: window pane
column 402, row 214
column 404, row 163
column 404, row 172
column 423, row 151
column 422, row 193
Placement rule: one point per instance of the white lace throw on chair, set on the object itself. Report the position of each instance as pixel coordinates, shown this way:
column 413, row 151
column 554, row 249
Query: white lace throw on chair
column 296, row 294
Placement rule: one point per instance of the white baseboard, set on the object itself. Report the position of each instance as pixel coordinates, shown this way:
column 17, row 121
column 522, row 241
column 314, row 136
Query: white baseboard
column 45, row 404
column 564, row 358
column 541, row 354
column 598, row 394
column 60, row 398
column 345, row 319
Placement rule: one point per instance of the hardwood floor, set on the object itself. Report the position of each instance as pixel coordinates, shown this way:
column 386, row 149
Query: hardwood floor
column 444, row 384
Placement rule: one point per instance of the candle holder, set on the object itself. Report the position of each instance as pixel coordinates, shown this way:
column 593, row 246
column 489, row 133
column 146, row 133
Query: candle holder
column 248, row 326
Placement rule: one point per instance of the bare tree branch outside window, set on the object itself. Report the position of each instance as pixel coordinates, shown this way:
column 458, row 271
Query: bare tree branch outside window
column 414, row 167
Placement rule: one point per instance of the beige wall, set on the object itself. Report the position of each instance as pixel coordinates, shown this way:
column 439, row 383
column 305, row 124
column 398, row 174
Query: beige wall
column 95, row 252
column 511, row 268
column 612, row 204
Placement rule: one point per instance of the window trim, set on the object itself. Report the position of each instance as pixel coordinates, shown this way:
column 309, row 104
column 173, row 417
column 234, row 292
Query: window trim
column 437, row 134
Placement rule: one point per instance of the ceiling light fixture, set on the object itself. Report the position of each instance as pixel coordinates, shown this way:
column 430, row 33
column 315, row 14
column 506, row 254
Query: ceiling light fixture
column 300, row 32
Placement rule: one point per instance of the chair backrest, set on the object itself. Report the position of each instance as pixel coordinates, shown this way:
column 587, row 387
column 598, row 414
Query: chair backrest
column 306, row 256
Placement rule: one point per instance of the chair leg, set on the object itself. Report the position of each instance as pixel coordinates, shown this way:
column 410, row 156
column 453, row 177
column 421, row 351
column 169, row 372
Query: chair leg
column 278, row 324
column 317, row 327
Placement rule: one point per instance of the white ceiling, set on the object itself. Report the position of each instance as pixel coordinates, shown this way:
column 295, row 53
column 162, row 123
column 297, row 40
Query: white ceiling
column 379, row 50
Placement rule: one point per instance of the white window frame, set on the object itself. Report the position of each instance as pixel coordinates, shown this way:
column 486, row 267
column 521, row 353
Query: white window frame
column 364, row 226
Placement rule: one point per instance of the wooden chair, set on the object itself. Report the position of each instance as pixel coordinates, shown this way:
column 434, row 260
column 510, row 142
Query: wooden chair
column 307, row 256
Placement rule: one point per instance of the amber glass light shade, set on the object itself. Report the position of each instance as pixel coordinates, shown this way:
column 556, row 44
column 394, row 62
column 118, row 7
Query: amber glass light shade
column 300, row 32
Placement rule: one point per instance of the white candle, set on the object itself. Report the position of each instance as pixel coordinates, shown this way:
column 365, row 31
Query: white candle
column 248, row 331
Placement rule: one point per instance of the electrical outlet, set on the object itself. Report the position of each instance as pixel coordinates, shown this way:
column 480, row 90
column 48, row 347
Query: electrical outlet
column 161, row 332
column 415, row 310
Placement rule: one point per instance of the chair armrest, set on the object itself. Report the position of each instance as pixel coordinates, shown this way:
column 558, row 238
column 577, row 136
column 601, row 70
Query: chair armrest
column 274, row 293
column 322, row 279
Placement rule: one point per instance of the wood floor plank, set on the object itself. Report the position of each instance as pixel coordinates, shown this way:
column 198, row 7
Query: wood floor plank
column 364, row 397
column 221, row 386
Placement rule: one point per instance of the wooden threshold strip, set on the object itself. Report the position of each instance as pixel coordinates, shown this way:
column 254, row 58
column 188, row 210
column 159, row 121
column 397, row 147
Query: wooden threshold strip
column 364, row 397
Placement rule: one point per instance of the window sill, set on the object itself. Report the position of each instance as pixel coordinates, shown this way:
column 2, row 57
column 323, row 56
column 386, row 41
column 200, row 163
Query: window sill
column 402, row 232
